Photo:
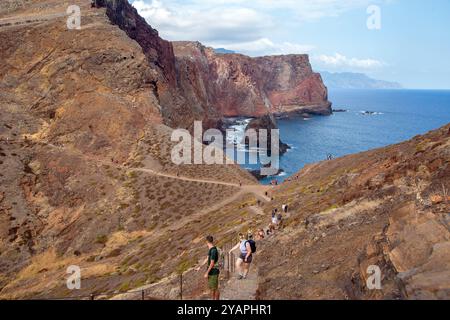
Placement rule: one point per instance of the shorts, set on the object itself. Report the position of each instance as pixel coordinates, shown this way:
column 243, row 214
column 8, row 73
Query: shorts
column 249, row 259
column 213, row 282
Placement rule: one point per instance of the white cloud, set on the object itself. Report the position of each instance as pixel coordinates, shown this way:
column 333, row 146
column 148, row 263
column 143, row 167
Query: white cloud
column 187, row 22
column 231, row 19
column 250, row 27
column 264, row 46
column 339, row 61
column 303, row 9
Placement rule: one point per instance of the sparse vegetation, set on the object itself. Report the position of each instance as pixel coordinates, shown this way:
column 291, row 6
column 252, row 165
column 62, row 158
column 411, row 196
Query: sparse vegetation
column 101, row 239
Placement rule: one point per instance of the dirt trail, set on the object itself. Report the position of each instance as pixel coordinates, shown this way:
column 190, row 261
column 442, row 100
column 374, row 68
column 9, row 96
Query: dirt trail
column 30, row 19
column 244, row 289
column 234, row 289
column 258, row 190
column 257, row 210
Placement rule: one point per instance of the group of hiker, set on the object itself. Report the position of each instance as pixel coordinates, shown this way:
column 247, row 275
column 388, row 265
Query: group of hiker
column 247, row 248
column 214, row 261
column 276, row 221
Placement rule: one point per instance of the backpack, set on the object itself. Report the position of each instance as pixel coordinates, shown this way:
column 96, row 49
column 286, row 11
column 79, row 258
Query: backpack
column 252, row 245
column 221, row 262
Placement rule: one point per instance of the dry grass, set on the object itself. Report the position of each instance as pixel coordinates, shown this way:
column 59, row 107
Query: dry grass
column 154, row 151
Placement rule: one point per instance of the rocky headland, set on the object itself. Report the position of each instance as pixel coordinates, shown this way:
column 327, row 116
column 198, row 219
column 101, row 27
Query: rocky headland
column 237, row 85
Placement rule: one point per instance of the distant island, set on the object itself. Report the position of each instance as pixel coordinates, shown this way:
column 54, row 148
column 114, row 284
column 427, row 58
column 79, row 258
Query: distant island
column 223, row 51
column 349, row 80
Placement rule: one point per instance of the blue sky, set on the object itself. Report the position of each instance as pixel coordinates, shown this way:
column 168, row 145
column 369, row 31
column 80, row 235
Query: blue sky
column 411, row 47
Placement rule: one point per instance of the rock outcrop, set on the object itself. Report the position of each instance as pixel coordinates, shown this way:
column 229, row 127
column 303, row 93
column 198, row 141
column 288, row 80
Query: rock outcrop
column 228, row 85
column 194, row 82
column 267, row 122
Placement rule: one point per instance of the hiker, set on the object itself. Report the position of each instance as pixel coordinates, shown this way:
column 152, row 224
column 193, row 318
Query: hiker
column 212, row 273
column 272, row 228
column 247, row 252
column 239, row 261
column 274, row 217
column 245, row 256
column 279, row 220
column 285, row 208
column 261, row 235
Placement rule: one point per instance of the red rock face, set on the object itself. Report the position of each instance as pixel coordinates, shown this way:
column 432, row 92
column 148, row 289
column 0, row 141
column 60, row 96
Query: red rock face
column 237, row 85
column 157, row 50
column 192, row 82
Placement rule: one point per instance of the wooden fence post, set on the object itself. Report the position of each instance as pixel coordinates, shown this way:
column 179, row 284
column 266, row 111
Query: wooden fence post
column 228, row 265
column 181, row 286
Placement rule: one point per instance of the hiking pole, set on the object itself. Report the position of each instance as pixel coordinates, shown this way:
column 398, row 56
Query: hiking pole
column 232, row 262
column 228, row 266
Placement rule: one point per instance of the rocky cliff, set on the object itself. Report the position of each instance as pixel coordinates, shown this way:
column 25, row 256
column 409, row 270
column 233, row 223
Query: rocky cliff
column 238, row 85
column 196, row 83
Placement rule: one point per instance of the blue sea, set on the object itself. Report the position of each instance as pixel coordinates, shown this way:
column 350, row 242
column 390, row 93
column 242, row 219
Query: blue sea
column 396, row 115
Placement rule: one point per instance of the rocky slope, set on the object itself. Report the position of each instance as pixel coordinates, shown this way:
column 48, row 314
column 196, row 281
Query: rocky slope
column 86, row 177
column 387, row 207
column 85, row 163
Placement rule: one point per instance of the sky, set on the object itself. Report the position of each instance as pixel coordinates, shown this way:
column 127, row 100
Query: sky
column 406, row 41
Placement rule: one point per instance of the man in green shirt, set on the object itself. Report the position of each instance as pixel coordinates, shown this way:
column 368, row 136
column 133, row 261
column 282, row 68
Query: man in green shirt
column 212, row 273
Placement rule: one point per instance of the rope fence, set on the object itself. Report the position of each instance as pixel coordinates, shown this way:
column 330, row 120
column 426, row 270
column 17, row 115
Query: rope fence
column 229, row 267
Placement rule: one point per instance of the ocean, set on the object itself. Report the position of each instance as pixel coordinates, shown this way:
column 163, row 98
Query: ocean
column 374, row 118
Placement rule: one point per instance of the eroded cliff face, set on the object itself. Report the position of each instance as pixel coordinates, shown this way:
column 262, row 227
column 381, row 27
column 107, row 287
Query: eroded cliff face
column 195, row 83
column 175, row 110
column 237, row 85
